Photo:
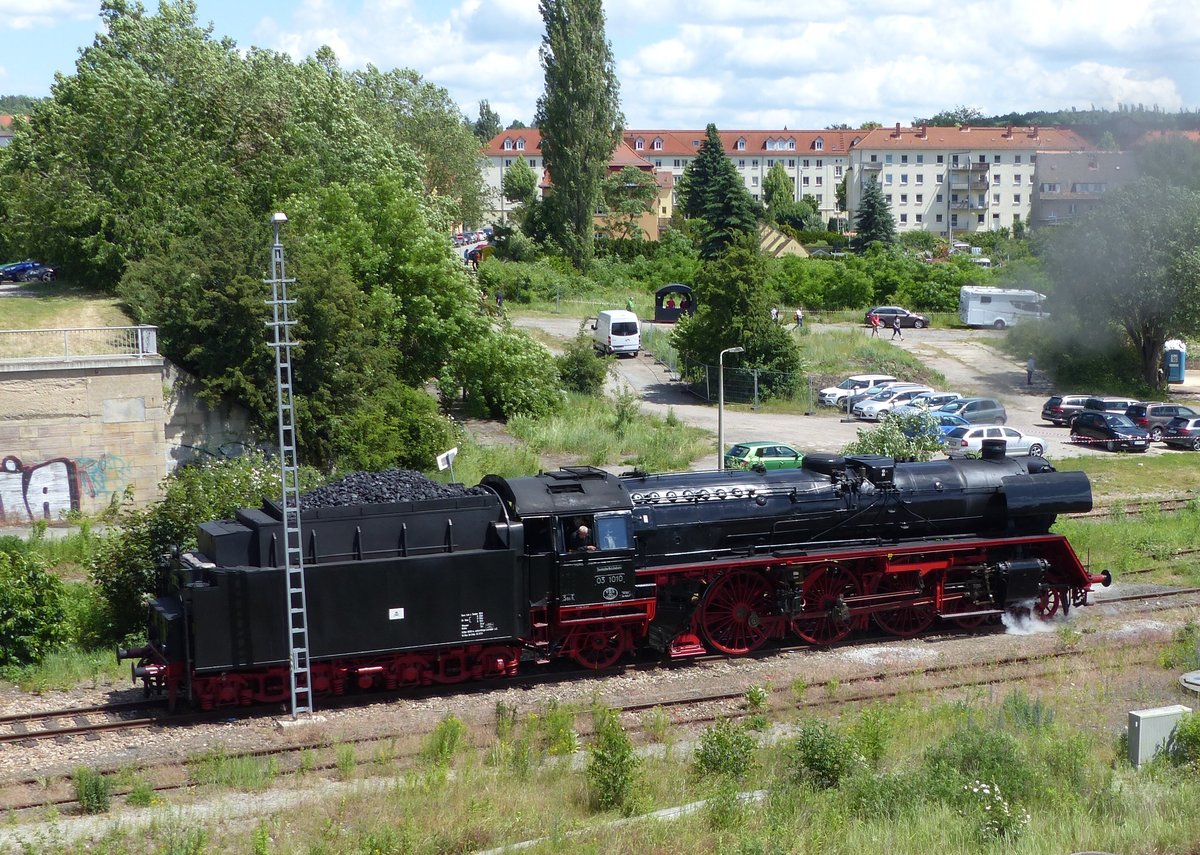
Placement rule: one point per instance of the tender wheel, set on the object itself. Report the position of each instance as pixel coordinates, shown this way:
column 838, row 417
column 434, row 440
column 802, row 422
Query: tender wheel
column 1036, row 450
column 1156, row 434
column 824, row 619
column 597, row 650
column 734, row 613
column 907, row 621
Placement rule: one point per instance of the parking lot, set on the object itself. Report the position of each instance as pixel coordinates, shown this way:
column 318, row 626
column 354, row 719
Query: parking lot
column 968, row 359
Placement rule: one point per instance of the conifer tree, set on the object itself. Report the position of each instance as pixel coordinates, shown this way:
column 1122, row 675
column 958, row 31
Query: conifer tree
column 874, row 220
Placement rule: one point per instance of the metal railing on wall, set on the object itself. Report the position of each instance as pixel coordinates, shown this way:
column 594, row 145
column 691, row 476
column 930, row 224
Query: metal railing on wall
column 79, row 343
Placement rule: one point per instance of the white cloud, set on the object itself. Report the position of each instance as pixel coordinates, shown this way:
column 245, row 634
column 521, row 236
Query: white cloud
column 26, row 15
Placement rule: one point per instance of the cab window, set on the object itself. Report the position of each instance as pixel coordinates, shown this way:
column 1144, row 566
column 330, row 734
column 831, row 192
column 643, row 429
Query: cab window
column 613, row 531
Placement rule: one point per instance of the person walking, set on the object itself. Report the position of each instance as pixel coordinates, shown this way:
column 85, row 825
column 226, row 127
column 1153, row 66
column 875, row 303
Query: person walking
column 896, row 329
column 774, row 314
column 1029, row 371
column 874, row 324
column 629, row 305
column 799, row 317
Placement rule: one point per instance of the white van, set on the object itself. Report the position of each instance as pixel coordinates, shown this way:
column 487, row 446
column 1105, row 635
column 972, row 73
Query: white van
column 980, row 306
column 617, row 331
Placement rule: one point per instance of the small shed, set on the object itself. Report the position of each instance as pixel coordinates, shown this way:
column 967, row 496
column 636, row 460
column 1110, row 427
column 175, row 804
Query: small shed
column 671, row 301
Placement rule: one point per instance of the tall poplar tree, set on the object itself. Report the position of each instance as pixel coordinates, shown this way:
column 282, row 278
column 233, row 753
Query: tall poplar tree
column 579, row 116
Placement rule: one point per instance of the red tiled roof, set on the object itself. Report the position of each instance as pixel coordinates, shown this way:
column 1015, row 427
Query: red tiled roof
column 1161, row 135
column 967, row 136
column 685, row 143
column 5, row 120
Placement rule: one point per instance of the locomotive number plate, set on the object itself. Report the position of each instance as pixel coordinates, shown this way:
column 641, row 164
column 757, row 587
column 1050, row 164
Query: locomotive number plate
column 396, row 614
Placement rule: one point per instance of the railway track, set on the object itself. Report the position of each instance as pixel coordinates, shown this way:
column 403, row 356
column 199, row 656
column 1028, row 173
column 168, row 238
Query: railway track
column 1136, row 508
column 87, row 722
column 692, row 709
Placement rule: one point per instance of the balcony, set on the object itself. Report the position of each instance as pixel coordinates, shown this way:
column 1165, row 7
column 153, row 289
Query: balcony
column 872, row 165
column 969, row 205
column 967, row 166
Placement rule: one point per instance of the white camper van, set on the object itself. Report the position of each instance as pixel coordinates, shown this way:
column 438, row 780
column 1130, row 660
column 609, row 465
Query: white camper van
column 980, row 306
column 617, row 331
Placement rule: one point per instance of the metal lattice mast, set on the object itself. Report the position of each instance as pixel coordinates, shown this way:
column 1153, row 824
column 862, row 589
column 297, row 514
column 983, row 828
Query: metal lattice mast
column 289, row 476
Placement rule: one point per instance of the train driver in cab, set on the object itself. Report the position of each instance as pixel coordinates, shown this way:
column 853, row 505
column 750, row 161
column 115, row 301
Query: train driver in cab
column 581, row 540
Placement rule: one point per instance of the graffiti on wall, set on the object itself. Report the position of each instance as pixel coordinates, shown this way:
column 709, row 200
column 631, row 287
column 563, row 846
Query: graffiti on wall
column 53, row 488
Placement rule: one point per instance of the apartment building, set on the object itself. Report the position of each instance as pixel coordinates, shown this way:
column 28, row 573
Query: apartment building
column 1069, row 184
column 955, row 180
column 815, row 161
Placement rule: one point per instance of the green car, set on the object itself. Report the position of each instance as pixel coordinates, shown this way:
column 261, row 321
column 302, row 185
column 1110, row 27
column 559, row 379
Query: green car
column 768, row 455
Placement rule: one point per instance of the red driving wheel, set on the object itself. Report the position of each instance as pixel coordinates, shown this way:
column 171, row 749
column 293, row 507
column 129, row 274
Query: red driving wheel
column 905, row 621
column 824, row 619
column 597, row 650
column 734, row 612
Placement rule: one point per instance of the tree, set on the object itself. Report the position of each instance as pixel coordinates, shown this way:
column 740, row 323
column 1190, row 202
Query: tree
column 734, row 303
column 715, row 193
column 627, row 195
column 778, row 188
column 870, row 125
column 488, row 123
column 1174, row 160
column 874, row 220
column 519, row 186
column 1108, row 142
column 1133, row 262
column 960, row 115
column 579, row 116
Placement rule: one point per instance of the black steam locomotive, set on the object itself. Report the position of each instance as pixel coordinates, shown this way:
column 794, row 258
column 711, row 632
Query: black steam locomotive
column 444, row 590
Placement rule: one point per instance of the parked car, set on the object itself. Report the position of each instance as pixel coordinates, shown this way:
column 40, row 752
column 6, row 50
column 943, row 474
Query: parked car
column 1060, row 409
column 27, row 271
column 887, row 314
column 977, row 411
column 971, row 438
column 925, row 401
column 880, row 405
column 833, row 396
column 1112, row 431
column 854, row 398
column 1154, row 417
column 932, row 424
column 1109, row 404
column 767, row 455
column 1183, row 432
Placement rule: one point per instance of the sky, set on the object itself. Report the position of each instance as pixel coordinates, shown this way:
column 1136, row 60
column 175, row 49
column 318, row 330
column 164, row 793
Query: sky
column 742, row 64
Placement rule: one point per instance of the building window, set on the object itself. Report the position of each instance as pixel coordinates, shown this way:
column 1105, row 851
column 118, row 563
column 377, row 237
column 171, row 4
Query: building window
column 938, row 218
column 1016, row 198
column 920, row 158
column 940, row 177
column 983, row 158
column 820, row 180
column 520, row 145
column 837, row 171
column 741, row 164
column 904, row 158
column 658, row 145
column 888, row 198
column 754, row 163
column 920, row 178
column 792, row 163
column 819, row 144
column 507, row 162
column 755, row 195
column 1033, row 158
column 820, row 200
column 904, row 178
column 805, row 161
column 887, row 158
column 1016, row 158
column 996, row 178
column 638, row 145
column 904, row 219
column 804, row 181
column 920, row 198
column 979, row 220
column 1016, row 180
column 887, row 180
column 533, row 163
column 903, row 198
column 995, row 221
column 770, row 163
column 658, row 164
column 1045, row 187
column 953, row 221
column 508, row 145
column 753, row 180
column 995, row 198
column 1016, row 219
column 939, row 198
column 920, row 218
column 941, row 158
column 995, row 158
column 741, row 145
column 791, row 145
column 819, row 162
column 678, row 163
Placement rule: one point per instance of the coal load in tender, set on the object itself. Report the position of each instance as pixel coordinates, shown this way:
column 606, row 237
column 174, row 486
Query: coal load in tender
column 380, row 488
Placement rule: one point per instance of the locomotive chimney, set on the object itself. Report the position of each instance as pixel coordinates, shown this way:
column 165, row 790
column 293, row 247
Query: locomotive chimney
column 994, row 449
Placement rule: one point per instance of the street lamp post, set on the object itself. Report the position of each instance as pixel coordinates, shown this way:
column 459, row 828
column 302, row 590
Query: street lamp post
column 721, row 403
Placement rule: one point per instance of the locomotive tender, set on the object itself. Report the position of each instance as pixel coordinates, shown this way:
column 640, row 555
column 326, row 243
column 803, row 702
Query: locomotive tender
column 443, row 590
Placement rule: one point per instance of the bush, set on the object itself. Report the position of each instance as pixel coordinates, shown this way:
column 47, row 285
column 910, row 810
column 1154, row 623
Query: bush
column 612, row 765
column 1185, row 740
column 725, row 750
column 973, row 753
column 32, row 609
column 820, row 756
column 444, row 742
column 92, row 790
column 580, row 368
column 505, row 375
column 396, row 427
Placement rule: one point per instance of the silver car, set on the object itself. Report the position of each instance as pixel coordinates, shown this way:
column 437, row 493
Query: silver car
column 970, row 439
column 880, row 406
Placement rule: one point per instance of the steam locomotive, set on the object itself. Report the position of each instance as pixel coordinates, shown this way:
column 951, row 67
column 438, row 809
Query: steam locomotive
column 444, row 590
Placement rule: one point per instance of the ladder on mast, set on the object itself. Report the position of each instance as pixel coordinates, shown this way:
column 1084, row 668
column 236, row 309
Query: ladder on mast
column 289, row 476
